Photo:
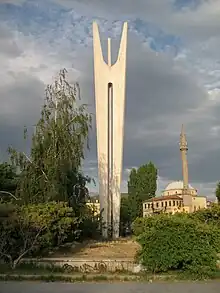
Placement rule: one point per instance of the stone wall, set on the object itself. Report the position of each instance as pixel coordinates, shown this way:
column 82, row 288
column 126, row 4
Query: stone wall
column 88, row 266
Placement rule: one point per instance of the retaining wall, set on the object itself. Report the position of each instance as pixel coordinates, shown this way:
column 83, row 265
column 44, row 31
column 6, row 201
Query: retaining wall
column 87, row 265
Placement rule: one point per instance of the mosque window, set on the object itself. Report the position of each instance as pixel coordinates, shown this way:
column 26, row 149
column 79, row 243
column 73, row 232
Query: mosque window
column 165, row 203
column 148, row 206
column 170, row 203
column 174, row 203
column 176, row 192
column 162, row 203
column 157, row 204
column 145, row 206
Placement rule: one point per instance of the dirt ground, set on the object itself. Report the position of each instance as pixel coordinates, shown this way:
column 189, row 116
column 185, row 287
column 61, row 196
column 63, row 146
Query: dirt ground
column 121, row 249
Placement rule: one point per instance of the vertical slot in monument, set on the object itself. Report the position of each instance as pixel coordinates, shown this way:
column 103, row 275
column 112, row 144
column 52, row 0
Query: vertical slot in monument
column 110, row 155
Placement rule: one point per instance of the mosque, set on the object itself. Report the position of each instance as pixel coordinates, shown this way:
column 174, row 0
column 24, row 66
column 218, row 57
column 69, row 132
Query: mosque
column 179, row 196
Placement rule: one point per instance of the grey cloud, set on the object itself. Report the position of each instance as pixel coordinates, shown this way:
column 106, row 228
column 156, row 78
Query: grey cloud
column 20, row 106
column 16, row 2
column 207, row 168
column 21, row 99
column 11, row 135
column 192, row 24
column 160, row 98
column 8, row 46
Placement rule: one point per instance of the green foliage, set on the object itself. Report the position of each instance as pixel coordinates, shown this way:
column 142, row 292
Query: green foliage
column 8, row 181
column 6, row 210
column 125, row 212
column 57, row 218
column 217, row 191
column 177, row 243
column 142, row 185
column 31, row 228
column 209, row 216
column 89, row 226
column 53, row 169
column 138, row 226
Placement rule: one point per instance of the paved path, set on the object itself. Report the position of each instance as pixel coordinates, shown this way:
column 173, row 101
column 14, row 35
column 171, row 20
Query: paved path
column 39, row 287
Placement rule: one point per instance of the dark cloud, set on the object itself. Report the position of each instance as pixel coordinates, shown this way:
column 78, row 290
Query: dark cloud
column 20, row 106
column 160, row 97
column 21, row 99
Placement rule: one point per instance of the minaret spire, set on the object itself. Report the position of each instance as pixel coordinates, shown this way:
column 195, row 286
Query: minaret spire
column 183, row 151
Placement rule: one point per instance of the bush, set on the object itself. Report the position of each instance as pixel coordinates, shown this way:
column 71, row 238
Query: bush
column 140, row 225
column 57, row 219
column 31, row 228
column 209, row 216
column 89, row 227
column 178, row 243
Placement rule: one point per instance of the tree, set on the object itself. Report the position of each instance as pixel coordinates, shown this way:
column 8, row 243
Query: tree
column 217, row 192
column 142, row 185
column 125, row 214
column 53, row 169
column 8, row 181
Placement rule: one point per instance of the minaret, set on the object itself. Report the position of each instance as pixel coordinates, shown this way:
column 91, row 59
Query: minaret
column 183, row 150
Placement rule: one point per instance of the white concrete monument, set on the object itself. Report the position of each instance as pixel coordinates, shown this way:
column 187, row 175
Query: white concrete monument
column 110, row 104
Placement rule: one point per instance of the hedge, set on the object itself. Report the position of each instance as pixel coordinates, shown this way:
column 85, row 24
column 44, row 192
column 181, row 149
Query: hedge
column 177, row 243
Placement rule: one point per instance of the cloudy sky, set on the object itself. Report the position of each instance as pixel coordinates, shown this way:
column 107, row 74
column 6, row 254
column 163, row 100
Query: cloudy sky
column 173, row 72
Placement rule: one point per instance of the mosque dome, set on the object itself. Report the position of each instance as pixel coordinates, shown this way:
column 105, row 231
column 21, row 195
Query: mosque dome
column 176, row 185
column 176, row 188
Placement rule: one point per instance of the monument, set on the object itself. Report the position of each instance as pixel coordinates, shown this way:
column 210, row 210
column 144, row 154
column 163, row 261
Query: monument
column 110, row 102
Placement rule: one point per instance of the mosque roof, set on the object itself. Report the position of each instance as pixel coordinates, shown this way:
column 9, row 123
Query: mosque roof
column 168, row 197
column 176, row 185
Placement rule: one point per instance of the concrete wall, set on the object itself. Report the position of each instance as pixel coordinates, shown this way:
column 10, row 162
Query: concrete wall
column 88, row 266
column 199, row 202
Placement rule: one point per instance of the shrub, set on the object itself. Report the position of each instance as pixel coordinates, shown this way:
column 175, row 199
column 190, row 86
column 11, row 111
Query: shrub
column 141, row 225
column 178, row 243
column 31, row 228
column 138, row 226
column 57, row 218
column 209, row 216
column 89, row 227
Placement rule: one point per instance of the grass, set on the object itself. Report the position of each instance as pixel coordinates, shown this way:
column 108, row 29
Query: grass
column 31, row 269
column 32, row 272
column 69, row 278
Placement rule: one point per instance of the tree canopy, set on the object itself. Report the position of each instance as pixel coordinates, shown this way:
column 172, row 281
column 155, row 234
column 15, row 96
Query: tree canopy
column 142, row 185
column 217, row 191
column 8, row 181
column 53, row 169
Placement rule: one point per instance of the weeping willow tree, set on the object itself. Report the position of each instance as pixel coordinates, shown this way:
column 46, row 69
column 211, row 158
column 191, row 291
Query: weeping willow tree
column 52, row 171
